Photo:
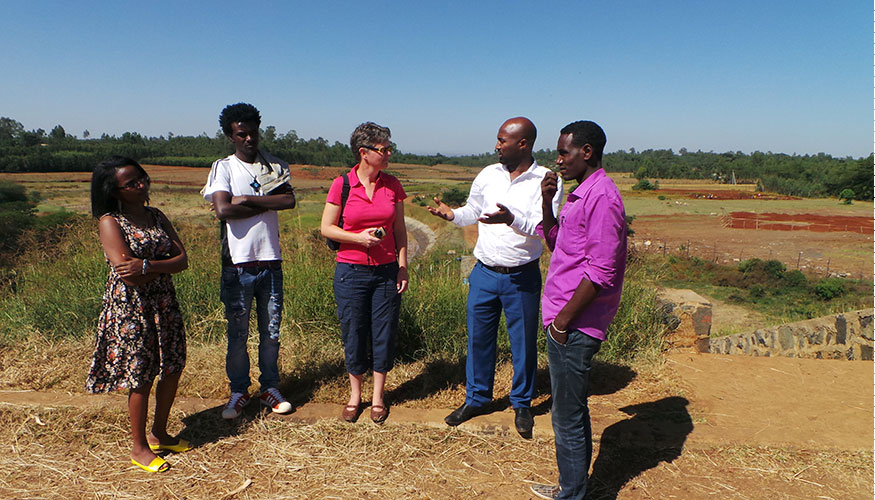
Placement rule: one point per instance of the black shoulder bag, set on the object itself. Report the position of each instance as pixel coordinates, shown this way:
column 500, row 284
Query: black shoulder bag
column 344, row 194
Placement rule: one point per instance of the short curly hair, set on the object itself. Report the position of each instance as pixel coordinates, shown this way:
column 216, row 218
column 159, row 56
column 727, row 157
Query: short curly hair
column 240, row 112
column 587, row 132
column 367, row 134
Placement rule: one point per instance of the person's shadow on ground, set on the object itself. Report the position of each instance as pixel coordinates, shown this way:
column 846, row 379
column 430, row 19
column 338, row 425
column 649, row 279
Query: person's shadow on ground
column 442, row 373
column 208, row 426
column 435, row 376
column 605, row 378
column 655, row 433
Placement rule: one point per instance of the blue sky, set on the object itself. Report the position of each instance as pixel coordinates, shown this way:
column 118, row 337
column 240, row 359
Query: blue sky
column 781, row 76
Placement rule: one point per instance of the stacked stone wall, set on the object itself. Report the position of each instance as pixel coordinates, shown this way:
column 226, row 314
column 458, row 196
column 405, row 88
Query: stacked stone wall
column 840, row 336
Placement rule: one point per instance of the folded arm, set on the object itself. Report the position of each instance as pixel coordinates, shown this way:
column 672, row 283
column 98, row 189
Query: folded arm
column 241, row 207
column 131, row 269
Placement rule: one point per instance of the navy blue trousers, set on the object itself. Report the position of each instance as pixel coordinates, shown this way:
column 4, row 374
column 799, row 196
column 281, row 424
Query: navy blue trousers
column 368, row 306
column 518, row 294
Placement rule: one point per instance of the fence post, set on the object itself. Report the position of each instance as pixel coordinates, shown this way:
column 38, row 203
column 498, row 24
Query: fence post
column 798, row 259
column 827, row 266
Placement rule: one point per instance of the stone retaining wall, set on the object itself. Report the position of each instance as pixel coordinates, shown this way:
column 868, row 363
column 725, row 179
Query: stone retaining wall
column 841, row 336
column 688, row 318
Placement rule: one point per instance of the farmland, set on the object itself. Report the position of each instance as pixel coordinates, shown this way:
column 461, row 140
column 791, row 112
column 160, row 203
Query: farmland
column 669, row 404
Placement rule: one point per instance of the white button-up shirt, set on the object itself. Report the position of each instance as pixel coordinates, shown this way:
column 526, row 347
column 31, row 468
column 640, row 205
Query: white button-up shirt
column 500, row 244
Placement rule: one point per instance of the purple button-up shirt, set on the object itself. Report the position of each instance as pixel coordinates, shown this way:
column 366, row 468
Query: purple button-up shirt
column 589, row 242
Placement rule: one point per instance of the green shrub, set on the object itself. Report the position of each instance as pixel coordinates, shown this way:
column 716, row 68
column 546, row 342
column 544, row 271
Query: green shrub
column 829, row 288
column 757, row 291
column 454, row 197
column 645, row 185
column 637, row 331
column 760, row 271
column 795, row 279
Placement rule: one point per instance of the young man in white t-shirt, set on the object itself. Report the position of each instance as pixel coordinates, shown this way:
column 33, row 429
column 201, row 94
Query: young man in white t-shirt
column 246, row 190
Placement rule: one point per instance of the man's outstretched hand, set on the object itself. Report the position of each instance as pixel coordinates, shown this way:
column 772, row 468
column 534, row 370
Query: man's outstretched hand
column 442, row 210
column 502, row 216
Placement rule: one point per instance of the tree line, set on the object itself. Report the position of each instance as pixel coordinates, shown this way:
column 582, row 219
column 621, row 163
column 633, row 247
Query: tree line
column 798, row 175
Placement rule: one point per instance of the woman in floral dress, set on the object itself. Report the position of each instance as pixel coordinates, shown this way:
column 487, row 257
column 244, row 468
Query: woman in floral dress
column 139, row 332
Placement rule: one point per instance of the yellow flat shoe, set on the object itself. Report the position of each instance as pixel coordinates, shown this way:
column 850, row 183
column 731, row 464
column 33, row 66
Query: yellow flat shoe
column 158, row 464
column 179, row 447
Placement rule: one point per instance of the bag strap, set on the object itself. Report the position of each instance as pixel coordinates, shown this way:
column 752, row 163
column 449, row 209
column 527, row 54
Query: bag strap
column 344, row 194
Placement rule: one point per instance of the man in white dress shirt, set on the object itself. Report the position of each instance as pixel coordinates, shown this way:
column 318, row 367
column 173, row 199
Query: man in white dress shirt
column 505, row 201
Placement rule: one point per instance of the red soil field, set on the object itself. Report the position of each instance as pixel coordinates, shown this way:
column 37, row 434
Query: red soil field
column 799, row 222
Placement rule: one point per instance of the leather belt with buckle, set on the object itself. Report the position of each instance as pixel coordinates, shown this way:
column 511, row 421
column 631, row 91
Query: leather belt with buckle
column 510, row 270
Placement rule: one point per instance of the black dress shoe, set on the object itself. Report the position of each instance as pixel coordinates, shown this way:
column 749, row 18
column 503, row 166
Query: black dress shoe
column 524, row 421
column 462, row 414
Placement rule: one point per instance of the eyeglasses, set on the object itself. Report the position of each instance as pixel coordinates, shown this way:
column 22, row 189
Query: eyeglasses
column 134, row 184
column 382, row 149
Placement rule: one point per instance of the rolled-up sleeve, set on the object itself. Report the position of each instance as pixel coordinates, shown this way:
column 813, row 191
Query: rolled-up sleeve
column 549, row 237
column 529, row 221
column 605, row 227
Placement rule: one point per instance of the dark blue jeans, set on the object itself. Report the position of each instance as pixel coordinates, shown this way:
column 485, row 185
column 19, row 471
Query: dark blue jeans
column 519, row 295
column 570, row 365
column 239, row 287
column 368, row 306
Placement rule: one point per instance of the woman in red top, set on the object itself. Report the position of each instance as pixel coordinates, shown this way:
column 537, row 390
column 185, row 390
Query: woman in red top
column 371, row 271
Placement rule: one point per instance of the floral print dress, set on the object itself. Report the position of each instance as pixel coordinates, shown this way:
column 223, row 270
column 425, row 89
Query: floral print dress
column 139, row 332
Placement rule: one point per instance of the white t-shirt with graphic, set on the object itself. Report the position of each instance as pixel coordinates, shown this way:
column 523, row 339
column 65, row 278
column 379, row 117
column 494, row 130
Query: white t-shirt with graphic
column 253, row 238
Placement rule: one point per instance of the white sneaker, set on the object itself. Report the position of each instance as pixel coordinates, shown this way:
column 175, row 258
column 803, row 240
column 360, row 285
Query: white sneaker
column 548, row 491
column 273, row 399
column 235, row 405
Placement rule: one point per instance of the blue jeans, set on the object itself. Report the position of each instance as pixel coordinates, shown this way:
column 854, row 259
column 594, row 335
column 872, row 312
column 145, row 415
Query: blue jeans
column 570, row 365
column 368, row 306
column 239, row 286
column 519, row 295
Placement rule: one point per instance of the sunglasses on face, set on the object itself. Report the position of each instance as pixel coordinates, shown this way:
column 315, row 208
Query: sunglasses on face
column 382, row 149
column 134, row 184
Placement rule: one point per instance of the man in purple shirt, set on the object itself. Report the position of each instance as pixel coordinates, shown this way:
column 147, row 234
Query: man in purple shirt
column 581, row 293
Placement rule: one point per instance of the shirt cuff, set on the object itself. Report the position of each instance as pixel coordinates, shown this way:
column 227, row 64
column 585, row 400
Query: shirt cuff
column 517, row 220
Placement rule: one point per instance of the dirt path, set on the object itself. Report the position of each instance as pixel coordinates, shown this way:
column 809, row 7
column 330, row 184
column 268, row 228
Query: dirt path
column 722, row 427
column 731, row 399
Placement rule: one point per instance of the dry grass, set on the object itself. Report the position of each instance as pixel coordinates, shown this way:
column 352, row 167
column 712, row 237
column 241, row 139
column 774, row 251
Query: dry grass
column 311, row 371
column 53, row 454
column 83, row 453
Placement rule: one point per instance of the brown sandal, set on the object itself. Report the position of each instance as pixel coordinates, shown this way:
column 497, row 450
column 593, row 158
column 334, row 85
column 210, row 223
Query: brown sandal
column 351, row 413
column 379, row 413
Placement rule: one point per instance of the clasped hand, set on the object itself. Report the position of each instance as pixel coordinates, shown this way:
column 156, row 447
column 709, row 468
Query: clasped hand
column 129, row 268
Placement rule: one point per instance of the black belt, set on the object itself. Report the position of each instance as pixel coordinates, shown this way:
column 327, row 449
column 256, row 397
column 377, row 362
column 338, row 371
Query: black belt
column 510, row 270
column 374, row 268
column 260, row 264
